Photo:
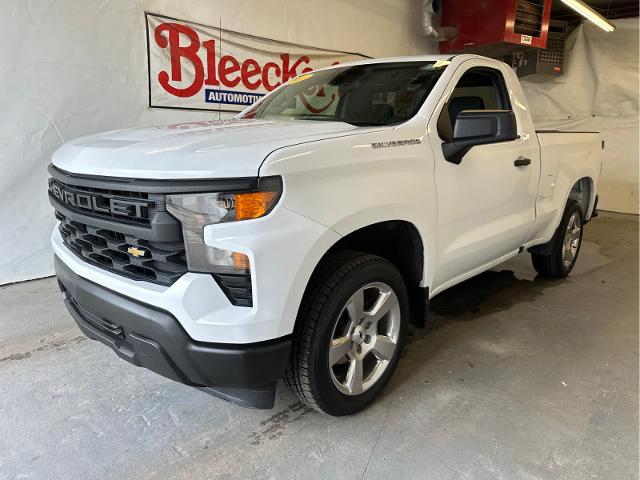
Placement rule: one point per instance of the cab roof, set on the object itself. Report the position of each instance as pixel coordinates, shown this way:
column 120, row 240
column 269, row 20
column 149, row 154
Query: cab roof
column 412, row 58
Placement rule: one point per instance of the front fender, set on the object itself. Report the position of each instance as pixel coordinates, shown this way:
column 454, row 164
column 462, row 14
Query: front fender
column 345, row 184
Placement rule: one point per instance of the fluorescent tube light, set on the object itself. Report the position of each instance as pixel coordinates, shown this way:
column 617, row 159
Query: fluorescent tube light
column 590, row 14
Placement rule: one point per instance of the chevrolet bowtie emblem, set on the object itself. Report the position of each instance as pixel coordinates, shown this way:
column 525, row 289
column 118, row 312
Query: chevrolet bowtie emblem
column 136, row 252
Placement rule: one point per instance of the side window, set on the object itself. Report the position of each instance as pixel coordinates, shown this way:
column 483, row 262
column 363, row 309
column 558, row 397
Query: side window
column 478, row 89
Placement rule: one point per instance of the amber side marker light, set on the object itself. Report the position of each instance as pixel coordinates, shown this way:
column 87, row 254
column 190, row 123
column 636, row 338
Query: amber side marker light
column 241, row 261
column 254, row 205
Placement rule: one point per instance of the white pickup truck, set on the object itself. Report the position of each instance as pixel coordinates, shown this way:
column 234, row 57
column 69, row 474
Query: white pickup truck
column 300, row 238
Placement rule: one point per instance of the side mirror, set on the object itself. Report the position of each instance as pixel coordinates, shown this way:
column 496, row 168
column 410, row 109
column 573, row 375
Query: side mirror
column 479, row 127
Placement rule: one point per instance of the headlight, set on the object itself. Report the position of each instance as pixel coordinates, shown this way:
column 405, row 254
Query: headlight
column 197, row 210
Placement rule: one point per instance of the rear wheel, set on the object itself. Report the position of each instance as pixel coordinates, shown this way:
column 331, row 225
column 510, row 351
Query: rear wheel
column 350, row 333
column 561, row 253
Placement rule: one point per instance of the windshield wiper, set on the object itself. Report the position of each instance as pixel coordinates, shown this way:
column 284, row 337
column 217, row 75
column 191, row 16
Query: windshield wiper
column 368, row 124
column 316, row 117
column 312, row 116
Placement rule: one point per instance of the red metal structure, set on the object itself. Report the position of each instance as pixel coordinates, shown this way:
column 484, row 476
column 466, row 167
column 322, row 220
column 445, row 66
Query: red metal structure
column 495, row 27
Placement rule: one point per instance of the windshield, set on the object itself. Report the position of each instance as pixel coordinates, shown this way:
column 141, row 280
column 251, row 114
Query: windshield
column 362, row 95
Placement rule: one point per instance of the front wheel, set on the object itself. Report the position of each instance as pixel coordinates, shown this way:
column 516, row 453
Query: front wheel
column 563, row 249
column 349, row 334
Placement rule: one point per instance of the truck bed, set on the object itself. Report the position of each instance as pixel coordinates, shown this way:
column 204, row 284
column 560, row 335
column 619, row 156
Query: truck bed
column 564, row 159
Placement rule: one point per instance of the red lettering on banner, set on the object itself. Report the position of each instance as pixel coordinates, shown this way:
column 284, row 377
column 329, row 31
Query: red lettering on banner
column 265, row 75
column 227, row 70
column 250, row 69
column 176, row 53
column 289, row 72
column 212, row 75
column 227, row 66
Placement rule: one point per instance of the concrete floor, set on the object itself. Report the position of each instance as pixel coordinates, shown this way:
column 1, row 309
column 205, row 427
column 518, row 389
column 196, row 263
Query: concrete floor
column 521, row 379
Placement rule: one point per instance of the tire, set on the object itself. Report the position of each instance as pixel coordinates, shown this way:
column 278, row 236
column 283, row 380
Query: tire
column 555, row 262
column 329, row 325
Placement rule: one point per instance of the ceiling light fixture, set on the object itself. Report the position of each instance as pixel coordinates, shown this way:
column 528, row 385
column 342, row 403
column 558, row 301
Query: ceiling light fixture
column 590, row 14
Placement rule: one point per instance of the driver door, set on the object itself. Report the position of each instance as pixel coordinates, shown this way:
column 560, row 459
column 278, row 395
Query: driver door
column 486, row 204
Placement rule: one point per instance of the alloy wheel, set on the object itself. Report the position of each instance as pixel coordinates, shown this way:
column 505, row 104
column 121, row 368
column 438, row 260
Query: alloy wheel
column 571, row 241
column 365, row 338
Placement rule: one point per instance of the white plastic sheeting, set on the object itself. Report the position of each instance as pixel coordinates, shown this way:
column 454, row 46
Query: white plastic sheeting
column 598, row 92
column 69, row 68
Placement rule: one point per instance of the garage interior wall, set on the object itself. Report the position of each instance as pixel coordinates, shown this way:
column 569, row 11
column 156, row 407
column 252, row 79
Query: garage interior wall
column 598, row 92
column 72, row 68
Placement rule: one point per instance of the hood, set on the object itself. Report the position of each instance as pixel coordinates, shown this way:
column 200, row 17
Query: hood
column 210, row 149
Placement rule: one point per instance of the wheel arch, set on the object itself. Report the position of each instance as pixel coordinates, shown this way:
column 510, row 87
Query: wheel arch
column 375, row 239
column 399, row 242
column 583, row 191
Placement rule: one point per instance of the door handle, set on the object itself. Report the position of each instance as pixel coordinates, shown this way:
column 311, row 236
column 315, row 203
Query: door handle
column 522, row 162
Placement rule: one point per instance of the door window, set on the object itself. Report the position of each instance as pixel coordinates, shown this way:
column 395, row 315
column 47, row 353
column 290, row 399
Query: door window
column 479, row 89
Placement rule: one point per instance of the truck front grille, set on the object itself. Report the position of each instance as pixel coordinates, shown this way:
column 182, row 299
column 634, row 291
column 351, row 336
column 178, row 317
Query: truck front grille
column 156, row 262
column 120, row 206
column 122, row 226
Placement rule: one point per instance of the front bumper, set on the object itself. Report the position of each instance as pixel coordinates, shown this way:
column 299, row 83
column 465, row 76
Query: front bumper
column 280, row 270
column 152, row 338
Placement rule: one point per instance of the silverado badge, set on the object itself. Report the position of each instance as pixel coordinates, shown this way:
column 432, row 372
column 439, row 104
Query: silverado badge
column 397, row 143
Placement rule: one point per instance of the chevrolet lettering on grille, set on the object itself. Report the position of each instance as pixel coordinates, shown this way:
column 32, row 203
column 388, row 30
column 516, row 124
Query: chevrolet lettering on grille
column 97, row 203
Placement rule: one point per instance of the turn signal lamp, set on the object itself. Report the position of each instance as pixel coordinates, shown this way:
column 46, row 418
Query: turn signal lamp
column 254, row 205
column 197, row 210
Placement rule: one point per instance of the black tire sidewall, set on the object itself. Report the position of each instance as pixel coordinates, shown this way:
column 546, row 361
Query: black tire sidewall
column 572, row 207
column 328, row 396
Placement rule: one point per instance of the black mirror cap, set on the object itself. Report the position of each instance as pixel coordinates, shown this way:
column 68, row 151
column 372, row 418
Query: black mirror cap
column 498, row 125
column 479, row 127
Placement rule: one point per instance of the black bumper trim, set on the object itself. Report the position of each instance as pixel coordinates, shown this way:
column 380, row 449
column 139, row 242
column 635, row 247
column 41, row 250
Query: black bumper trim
column 152, row 338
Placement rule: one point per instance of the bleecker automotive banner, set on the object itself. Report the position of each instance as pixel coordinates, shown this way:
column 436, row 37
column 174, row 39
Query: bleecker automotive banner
column 201, row 67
